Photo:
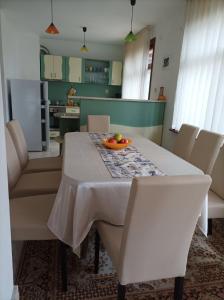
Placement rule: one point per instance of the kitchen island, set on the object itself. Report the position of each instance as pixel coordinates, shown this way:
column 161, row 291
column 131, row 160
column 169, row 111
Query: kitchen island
column 144, row 117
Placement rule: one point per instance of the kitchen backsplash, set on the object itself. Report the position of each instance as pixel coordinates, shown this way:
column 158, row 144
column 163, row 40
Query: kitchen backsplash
column 57, row 90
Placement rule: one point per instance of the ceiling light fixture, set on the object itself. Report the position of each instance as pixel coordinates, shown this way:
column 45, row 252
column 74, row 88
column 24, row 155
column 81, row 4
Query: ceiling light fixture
column 131, row 37
column 52, row 29
column 84, row 48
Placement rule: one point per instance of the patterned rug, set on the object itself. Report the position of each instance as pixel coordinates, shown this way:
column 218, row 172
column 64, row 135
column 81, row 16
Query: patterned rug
column 39, row 273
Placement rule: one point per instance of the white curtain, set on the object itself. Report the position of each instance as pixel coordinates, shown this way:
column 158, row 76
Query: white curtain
column 136, row 75
column 200, row 87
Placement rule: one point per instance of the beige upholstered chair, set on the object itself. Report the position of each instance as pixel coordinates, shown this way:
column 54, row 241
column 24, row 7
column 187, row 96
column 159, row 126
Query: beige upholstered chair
column 216, row 193
column 205, row 150
column 30, row 165
column 154, row 242
column 29, row 216
column 21, row 185
column 98, row 123
column 185, row 141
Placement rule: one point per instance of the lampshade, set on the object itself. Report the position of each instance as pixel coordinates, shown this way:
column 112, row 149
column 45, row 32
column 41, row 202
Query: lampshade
column 131, row 37
column 84, row 48
column 52, row 29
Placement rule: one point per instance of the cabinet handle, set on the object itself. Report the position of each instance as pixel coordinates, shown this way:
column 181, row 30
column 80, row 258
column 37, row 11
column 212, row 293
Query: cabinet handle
column 79, row 79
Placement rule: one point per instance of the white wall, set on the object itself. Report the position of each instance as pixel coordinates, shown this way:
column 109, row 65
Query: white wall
column 20, row 50
column 169, row 35
column 72, row 48
column 6, row 271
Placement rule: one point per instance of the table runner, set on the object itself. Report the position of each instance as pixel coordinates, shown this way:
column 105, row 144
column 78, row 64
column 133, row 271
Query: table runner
column 125, row 163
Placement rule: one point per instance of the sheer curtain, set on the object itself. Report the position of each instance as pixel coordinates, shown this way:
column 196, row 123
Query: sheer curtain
column 135, row 72
column 200, row 87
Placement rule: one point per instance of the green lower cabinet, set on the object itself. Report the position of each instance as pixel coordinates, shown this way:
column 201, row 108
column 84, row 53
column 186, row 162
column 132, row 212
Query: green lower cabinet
column 68, row 125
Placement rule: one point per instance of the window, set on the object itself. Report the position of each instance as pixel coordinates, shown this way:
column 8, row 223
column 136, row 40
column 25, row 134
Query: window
column 136, row 75
column 200, row 88
column 151, row 54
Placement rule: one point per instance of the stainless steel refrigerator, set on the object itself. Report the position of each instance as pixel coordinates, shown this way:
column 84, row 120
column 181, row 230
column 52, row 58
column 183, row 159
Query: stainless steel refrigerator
column 28, row 103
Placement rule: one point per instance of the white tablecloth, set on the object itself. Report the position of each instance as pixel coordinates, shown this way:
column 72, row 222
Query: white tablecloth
column 88, row 192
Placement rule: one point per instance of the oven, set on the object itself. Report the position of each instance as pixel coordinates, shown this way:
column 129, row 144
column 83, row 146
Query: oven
column 54, row 122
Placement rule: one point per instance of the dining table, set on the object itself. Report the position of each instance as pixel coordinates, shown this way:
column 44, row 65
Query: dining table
column 89, row 192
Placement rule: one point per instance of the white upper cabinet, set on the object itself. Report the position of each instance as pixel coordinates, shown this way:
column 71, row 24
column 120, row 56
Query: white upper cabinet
column 48, row 66
column 74, row 69
column 53, row 67
column 116, row 73
column 57, row 67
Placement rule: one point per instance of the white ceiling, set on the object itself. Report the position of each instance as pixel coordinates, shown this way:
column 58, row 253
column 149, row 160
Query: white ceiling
column 108, row 21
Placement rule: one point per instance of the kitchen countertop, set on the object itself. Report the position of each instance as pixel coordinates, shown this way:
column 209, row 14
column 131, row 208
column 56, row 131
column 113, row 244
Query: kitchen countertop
column 116, row 99
column 66, row 115
column 110, row 99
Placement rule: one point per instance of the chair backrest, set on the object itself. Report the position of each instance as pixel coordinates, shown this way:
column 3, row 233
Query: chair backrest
column 19, row 140
column 98, row 123
column 206, row 149
column 185, row 141
column 161, row 218
column 13, row 163
column 218, row 175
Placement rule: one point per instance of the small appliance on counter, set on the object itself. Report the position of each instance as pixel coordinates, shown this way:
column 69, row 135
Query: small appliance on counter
column 72, row 110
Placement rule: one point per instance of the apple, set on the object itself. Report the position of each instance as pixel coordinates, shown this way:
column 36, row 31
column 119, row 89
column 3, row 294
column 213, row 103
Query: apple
column 112, row 141
column 124, row 141
column 118, row 137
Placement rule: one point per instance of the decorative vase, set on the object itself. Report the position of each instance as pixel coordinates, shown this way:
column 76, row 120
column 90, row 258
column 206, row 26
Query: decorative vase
column 161, row 94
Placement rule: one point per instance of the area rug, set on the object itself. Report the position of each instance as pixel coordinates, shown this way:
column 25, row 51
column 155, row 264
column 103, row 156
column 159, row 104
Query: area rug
column 39, row 273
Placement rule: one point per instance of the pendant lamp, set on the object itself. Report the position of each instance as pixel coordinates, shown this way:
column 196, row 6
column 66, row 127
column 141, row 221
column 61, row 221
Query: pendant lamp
column 52, row 29
column 84, row 48
column 131, row 37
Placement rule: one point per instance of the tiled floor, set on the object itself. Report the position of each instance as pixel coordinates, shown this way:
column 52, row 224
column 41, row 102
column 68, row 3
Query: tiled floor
column 52, row 151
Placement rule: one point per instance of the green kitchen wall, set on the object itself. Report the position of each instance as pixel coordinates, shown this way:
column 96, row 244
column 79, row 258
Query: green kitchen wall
column 124, row 112
column 57, row 90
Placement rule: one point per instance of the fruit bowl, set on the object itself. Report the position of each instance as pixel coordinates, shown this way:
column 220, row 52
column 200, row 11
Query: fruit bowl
column 116, row 146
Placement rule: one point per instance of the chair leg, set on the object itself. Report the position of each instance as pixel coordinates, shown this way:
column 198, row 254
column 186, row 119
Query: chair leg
column 121, row 290
column 209, row 226
column 97, row 252
column 63, row 262
column 84, row 247
column 179, row 287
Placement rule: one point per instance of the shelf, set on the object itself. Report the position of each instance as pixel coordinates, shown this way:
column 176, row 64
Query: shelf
column 100, row 83
column 97, row 75
column 96, row 72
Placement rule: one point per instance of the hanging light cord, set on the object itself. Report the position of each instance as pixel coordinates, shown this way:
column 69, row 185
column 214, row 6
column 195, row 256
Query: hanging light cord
column 132, row 9
column 51, row 11
column 84, row 38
